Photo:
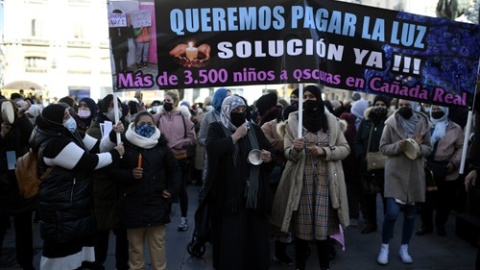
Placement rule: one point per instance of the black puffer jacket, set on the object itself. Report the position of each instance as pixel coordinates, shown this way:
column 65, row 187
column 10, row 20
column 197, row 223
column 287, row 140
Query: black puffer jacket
column 65, row 196
column 141, row 201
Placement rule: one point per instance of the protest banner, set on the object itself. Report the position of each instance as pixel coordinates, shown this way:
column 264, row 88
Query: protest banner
column 342, row 45
column 141, row 18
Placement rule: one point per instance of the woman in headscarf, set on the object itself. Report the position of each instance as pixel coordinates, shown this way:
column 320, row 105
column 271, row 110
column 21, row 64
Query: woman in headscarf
column 210, row 117
column 312, row 194
column 237, row 192
column 106, row 195
column 149, row 177
column 358, row 108
column 404, row 175
column 86, row 112
column 65, row 201
column 444, row 161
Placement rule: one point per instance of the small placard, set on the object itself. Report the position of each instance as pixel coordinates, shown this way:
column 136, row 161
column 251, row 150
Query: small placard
column 11, row 160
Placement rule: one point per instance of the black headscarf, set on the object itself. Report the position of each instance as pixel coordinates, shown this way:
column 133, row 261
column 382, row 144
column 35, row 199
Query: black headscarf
column 315, row 119
column 52, row 117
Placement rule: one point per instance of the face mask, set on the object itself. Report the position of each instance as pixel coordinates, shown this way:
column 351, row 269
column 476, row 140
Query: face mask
column 405, row 112
column 437, row 115
column 294, row 103
column 83, row 113
column 70, row 124
column 111, row 116
column 155, row 109
column 310, row 105
column 145, row 130
column 380, row 111
column 168, row 106
column 237, row 119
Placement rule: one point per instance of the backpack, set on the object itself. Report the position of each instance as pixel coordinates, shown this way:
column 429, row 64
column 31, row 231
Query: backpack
column 26, row 172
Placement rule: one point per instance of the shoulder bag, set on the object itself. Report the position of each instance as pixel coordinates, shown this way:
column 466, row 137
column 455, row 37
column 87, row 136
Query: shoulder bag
column 375, row 160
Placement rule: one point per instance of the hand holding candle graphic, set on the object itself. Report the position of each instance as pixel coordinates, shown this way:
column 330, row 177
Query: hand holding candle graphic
column 187, row 55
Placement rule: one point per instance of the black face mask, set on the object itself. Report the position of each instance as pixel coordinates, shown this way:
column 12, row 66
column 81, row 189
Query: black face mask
column 405, row 112
column 237, row 119
column 168, row 106
column 380, row 111
column 438, row 115
column 294, row 103
column 310, row 105
column 378, row 114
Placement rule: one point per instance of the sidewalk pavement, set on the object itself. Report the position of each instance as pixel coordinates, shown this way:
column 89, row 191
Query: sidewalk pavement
column 428, row 252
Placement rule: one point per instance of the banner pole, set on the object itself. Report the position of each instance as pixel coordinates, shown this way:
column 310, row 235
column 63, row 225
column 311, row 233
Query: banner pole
column 117, row 118
column 300, row 110
column 468, row 128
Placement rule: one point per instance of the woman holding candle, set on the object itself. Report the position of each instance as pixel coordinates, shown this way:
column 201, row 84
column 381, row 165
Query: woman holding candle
column 149, row 177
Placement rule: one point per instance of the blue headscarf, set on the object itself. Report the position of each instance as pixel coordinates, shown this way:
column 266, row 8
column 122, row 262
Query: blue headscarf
column 218, row 98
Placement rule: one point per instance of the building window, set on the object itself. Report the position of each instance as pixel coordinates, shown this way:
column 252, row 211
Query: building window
column 36, row 28
column 79, row 65
column 35, row 64
column 78, row 30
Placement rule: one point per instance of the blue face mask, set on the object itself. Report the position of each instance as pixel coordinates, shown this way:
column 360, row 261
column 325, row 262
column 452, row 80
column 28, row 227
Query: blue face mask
column 70, row 124
column 145, row 130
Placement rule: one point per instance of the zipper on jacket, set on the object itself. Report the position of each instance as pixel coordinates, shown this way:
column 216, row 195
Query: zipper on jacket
column 73, row 187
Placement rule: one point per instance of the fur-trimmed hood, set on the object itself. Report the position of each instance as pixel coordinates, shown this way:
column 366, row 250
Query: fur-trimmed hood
column 182, row 109
column 367, row 112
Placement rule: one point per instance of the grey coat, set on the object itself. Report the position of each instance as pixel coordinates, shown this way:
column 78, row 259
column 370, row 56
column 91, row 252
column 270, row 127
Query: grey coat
column 288, row 193
column 405, row 178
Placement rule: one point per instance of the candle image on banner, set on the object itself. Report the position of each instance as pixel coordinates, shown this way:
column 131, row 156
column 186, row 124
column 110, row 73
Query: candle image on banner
column 191, row 52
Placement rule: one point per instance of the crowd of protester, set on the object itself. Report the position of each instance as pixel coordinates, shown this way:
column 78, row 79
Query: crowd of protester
column 263, row 177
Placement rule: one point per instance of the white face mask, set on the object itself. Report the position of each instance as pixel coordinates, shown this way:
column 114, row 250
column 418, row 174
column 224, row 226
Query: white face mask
column 155, row 109
column 111, row 116
column 83, row 113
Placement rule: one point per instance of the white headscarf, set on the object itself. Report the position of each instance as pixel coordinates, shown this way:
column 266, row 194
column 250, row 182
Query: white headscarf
column 228, row 105
column 440, row 125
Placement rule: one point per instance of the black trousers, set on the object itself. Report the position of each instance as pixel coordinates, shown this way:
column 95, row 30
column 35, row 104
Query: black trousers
column 442, row 201
column 121, row 249
column 185, row 165
column 23, row 236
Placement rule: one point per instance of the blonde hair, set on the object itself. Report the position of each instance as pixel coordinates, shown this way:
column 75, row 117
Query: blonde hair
column 174, row 95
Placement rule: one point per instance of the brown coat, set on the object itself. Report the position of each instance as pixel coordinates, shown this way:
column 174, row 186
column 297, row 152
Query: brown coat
column 404, row 178
column 289, row 189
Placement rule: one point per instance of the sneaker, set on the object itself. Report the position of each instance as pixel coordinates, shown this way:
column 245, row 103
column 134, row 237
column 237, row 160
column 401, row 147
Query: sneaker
column 383, row 255
column 183, row 226
column 139, row 66
column 403, row 253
